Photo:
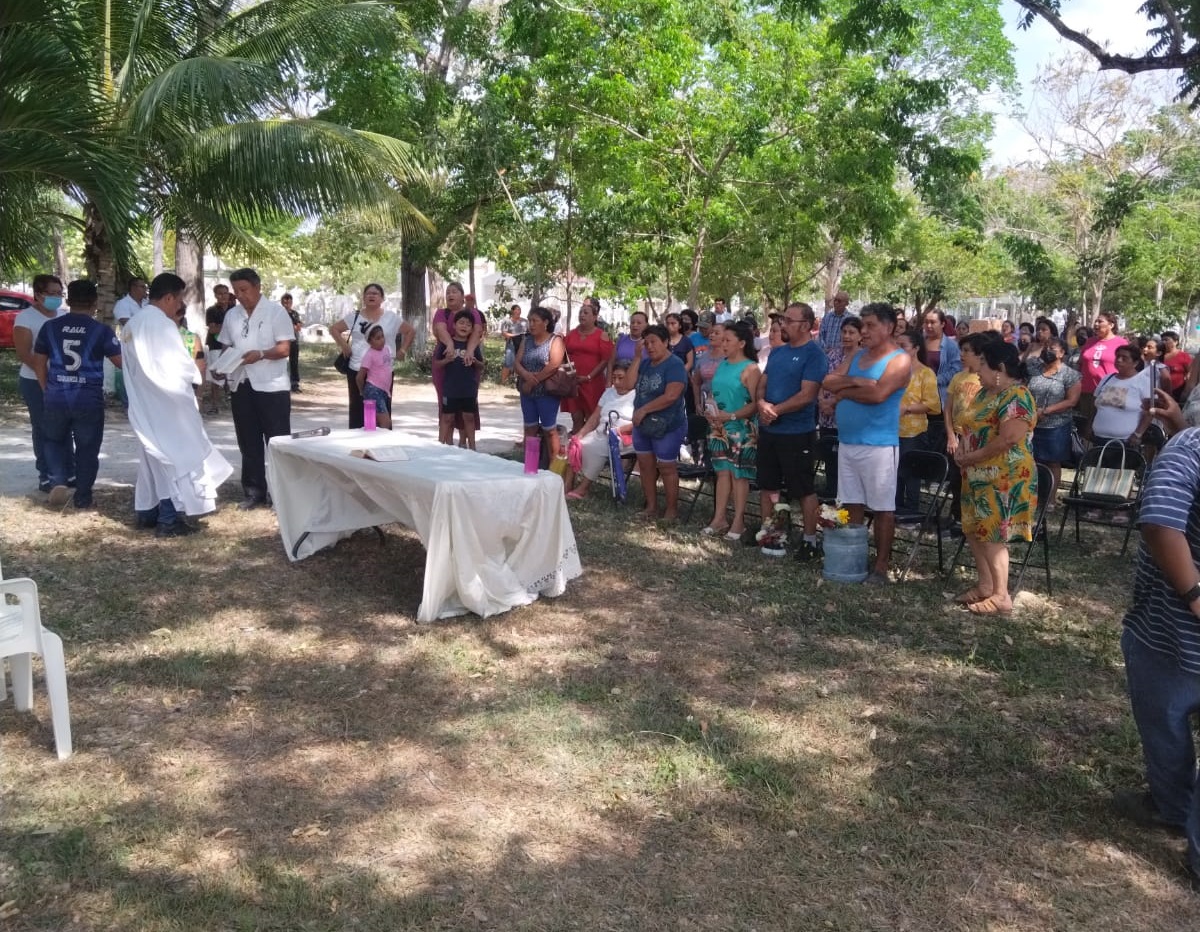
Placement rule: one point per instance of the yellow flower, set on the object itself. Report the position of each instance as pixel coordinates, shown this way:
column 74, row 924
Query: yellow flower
column 843, row 516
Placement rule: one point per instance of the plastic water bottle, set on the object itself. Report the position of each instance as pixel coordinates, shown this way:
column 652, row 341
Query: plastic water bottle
column 368, row 415
column 533, row 452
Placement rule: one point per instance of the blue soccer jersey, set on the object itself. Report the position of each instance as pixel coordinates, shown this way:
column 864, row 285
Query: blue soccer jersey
column 76, row 346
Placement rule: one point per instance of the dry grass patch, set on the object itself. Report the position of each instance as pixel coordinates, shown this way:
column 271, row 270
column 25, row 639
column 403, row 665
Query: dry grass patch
column 692, row 738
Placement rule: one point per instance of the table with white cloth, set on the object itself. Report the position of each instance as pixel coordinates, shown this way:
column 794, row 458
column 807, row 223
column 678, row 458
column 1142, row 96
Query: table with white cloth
column 495, row 538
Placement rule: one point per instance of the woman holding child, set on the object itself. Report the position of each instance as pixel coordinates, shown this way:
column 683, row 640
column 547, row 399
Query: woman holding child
column 350, row 333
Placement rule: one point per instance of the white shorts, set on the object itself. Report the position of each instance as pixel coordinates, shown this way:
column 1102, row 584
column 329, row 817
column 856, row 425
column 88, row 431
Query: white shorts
column 867, row 475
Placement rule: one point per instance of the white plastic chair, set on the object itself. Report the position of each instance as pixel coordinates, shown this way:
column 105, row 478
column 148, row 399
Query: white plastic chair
column 22, row 636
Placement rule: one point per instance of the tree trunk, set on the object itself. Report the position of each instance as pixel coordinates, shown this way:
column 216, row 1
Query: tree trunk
column 697, row 262
column 189, row 265
column 98, row 260
column 835, row 268
column 414, row 301
column 158, row 246
column 61, row 268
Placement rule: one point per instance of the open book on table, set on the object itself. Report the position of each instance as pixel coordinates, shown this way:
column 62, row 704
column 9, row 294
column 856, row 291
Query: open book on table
column 390, row 454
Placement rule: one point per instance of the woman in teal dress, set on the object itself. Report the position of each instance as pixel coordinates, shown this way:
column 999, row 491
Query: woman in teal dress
column 999, row 497
column 733, row 431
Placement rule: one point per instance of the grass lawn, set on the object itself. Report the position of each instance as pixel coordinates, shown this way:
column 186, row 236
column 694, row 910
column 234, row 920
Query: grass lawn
column 693, row 737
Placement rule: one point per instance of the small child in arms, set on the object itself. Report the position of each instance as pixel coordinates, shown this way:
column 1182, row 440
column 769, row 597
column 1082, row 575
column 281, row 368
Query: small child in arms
column 460, row 391
column 375, row 376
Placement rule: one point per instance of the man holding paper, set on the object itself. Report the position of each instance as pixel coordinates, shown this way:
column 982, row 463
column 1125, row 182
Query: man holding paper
column 180, row 469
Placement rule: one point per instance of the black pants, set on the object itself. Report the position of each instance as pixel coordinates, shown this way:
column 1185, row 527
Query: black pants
column 356, row 400
column 257, row 417
column 294, row 362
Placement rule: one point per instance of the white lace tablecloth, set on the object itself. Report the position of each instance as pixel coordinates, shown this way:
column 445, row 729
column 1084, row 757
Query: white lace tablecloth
column 494, row 537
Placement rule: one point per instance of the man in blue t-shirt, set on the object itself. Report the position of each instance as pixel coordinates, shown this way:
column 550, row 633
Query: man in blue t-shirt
column 68, row 358
column 787, row 430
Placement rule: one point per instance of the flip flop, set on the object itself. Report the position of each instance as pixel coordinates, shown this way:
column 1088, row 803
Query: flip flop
column 989, row 606
column 710, row 531
column 972, row 595
column 734, row 536
column 574, row 496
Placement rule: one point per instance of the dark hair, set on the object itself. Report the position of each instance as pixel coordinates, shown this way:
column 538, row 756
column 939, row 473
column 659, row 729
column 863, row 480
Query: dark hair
column 674, row 315
column 1060, row 343
column 1086, row 331
column 286, row 296
column 464, row 314
column 515, row 307
column 1170, row 335
column 976, row 342
column 918, row 341
column 165, row 284
column 133, row 281
column 595, row 304
column 1025, row 327
column 656, row 330
column 744, row 334
column 805, row 309
column 1048, row 323
column 1129, row 348
column 692, row 316
column 449, row 285
column 882, row 312
column 220, row 286
column 42, row 282
column 377, row 287
column 1003, row 356
column 542, row 314
column 371, row 332
column 1110, row 317
column 82, row 293
column 642, row 314
column 934, row 310
column 849, row 320
column 245, row 275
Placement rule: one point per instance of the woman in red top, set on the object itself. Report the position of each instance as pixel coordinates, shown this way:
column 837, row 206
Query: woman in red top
column 1097, row 360
column 589, row 349
column 1177, row 362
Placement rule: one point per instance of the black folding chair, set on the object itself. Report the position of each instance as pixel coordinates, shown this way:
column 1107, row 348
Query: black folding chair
column 1046, row 493
column 827, row 453
column 932, row 470
column 702, row 473
column 1105, row 510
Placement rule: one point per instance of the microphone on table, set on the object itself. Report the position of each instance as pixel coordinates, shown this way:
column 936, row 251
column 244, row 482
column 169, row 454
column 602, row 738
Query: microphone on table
column 315, row 432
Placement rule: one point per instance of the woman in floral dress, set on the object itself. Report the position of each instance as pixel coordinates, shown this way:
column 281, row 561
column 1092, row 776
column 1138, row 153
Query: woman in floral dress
column 733, row 431
column 999, row 496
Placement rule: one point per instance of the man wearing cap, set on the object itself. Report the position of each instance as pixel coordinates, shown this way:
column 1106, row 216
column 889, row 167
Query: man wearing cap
column 701, row 341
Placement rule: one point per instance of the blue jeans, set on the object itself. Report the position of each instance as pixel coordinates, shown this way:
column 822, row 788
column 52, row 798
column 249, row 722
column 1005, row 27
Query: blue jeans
column 31, row 394
column 540, row 410
column 72, row 439
column 164, row 514
column 1164, row 698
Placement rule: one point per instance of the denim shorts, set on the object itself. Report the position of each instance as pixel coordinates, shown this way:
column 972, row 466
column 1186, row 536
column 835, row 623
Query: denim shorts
column 542, row 409
column 383, row 401
column 665, row 448
column 1052, row 444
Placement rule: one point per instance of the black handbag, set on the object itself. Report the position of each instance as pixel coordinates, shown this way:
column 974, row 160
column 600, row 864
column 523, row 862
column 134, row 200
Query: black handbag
column 341, row 361
column 655, row 425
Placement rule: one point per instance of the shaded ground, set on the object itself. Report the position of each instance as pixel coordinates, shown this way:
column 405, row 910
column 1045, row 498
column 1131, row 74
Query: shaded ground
column 693, row 737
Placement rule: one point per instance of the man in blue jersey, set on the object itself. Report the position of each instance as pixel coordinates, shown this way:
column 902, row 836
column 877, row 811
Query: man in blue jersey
column 869, row 386
column 68, row 357
column 1161, row 643
column 787, row 430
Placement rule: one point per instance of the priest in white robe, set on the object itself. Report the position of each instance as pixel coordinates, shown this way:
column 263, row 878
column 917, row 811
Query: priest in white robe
column 180, row 469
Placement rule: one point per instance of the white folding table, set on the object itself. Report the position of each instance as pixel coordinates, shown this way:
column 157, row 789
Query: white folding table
column 494, row 537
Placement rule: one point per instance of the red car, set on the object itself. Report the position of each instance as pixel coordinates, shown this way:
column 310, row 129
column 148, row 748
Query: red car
column 11, row 304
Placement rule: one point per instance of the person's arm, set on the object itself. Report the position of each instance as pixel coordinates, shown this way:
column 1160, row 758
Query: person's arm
column 689, row 360
column 927, row 399
column 341, row 336
column 115, row 360
column 1193, row 375
column 1012, row 431
column 671, row 393
column 408, row 333
column 1067, row 404
column 605, row 357
column 475, row 339
column 867, row 391
column 23, row 344
column 278, row 351
column 590, row 424
column 1171, row 553
column 1166, row 408
column 40, row 364
column 441, row 333
column 948, row 420
column 751, row 376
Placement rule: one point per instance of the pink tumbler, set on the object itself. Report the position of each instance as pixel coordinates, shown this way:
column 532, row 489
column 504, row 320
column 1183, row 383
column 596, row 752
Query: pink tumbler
column 368, row 415
column 533, row 452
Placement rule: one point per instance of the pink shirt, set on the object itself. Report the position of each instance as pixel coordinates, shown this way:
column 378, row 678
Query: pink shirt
column 378, row 365
column 1098, row 359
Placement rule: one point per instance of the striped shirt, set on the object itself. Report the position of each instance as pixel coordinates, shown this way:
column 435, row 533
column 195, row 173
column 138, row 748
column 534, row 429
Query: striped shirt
column 1160, row 618
column 830, row 334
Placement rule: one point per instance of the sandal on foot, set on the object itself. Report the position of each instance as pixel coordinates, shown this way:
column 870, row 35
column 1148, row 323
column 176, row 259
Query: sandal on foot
column 971, row 596
column 989, row 606
column 710, row 531
column 574, row 496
